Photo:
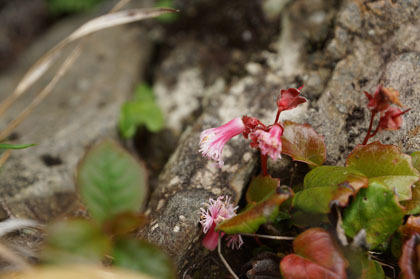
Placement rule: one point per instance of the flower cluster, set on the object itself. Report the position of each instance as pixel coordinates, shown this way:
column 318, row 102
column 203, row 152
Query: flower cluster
column 215, row 212
column 380, row 103
column 265, row 138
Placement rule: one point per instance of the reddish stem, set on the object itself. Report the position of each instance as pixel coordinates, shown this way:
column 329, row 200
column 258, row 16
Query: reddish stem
column 277, row 116
column 264, row 165
column 372, row 117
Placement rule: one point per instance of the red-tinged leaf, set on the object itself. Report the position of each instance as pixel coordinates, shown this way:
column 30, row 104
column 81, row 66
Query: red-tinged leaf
column 326, row 186
column 302, row 143
column 260, row 187
column 412, row 226
column 252, row 218
column 387, row 165
column 413, row 206
column 409, row 261
column 316, row 256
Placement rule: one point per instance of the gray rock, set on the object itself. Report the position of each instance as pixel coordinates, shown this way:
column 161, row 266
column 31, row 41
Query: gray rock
column 84, row 107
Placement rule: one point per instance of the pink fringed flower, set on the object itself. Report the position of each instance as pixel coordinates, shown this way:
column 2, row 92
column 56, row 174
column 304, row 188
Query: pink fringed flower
column 270, row 142
column 214, row 213
column 213, row 140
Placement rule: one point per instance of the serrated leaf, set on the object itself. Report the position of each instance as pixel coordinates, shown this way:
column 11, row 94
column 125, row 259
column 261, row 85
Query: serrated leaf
column 260, row 187
column 142, row 256
column 387, row 165
column 377, row 211
column 82, row 271
column 328, row 185
column 316, row 257
column 361, row 267
column 111, row 181
column 252, row 218
column 75, row 241
column 143, row 110
column 413, row 206
column 409, row 261
column 302, row 143
column 15, row 146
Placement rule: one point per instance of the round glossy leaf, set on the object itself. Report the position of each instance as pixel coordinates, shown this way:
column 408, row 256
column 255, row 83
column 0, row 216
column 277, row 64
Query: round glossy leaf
column 387, row 165
column 111, row 181
column 328, row 185
column 302, row 143
column 136, row 254
column 377, row 211
column 316, row 257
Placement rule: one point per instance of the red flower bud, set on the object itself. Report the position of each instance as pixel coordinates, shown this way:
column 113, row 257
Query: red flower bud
column 382, row 98
column 392, row 120
column 289, row 99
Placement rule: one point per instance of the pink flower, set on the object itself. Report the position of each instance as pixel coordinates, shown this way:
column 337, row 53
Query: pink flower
column 270, row 142
column 217, row 211
column 392, row 120
column 289, row 99
column 213, row 140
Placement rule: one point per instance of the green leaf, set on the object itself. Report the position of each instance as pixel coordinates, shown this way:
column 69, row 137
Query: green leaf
column 361, row 267
column 166, row 18
column 124, row 223
column 302, row 143
column 15, row 146
column 413, row 206
column 260, row 187
column 377, row 211
column 75, row 241
column 143, row 110
column 387, row 165
column 137, row 254
column 328, row 185
column 316, row 257
column 111, row 181
column 74, row 6
column 250, row 220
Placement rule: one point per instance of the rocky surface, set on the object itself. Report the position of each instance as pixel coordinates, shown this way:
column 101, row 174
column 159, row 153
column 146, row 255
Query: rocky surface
column 207, row 68
column 38, row 182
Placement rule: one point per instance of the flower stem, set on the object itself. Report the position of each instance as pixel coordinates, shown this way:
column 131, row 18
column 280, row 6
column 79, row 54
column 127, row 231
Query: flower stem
column 264, row 165
column 277, row 117
column 372, row 117
column 219, row 251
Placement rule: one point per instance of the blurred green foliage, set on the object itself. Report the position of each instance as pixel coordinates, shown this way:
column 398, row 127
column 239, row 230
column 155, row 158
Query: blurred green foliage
column 57, row 7
column 166, row 18
column 142, row 110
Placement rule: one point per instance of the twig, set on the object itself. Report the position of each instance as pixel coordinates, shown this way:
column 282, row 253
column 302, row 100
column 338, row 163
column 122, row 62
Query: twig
column 11, row 225
column 219, row 250
column 4, row 156
column 12, row 257
column 275, row 237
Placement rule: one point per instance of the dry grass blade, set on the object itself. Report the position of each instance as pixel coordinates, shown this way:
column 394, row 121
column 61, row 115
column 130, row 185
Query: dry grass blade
column 11, row 225
column 4, row 156
column 94, row 25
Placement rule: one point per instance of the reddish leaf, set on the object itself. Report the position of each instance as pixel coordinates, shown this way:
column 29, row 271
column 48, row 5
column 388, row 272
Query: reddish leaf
column 412, row 226
column 385, row 164
column 409, row 261
column 302, row 143
column 317, row 256
column 250, row 220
